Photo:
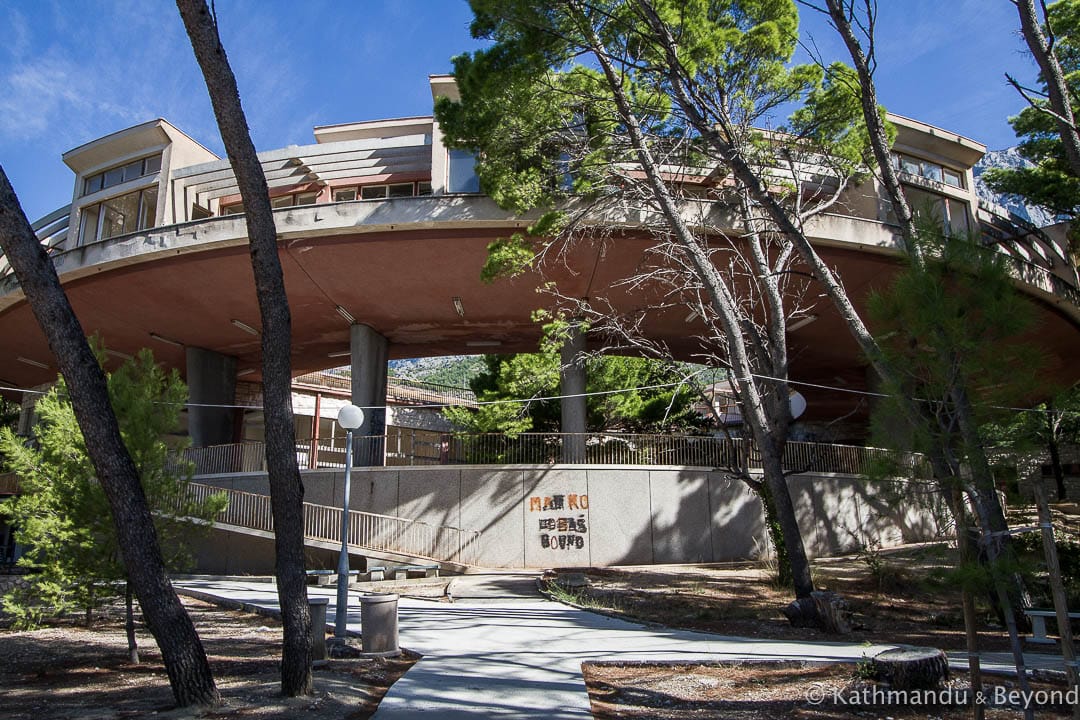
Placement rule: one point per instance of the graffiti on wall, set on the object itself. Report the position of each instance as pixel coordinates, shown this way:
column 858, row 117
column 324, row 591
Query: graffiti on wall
column 558, row 529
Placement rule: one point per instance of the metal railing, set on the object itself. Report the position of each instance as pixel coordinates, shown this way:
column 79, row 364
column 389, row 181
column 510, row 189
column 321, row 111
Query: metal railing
column 368, row 531
column 411, row 447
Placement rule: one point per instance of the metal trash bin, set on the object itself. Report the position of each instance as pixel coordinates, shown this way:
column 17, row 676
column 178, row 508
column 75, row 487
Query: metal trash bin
column 379, row 624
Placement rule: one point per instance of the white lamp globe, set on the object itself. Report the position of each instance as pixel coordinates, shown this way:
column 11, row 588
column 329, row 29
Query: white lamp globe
column 350, row 417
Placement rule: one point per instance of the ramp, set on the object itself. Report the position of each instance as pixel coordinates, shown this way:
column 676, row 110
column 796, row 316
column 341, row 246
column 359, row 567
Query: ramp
column 379, row 536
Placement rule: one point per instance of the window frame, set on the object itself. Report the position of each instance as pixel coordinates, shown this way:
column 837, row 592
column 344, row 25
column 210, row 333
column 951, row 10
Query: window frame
column 119, row 174
column 145, row 214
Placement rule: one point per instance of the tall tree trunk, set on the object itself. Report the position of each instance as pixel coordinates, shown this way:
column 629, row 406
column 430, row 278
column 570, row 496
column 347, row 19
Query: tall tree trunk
column 875, row 123
column 780, row 495
column 967, row 598
column 286, row 488
column 181, row 650
column 769, row 430
column 1055, row 454
column 1056, row 89
column 988, row 506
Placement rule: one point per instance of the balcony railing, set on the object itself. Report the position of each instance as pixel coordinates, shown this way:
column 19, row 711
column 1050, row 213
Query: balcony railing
column 411, row 447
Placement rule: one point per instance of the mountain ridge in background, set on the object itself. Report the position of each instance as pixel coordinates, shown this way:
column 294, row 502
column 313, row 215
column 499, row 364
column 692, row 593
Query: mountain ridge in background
column 1009, row 159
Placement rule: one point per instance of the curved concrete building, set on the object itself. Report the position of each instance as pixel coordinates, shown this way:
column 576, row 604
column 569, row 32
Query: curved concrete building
column 382, row 237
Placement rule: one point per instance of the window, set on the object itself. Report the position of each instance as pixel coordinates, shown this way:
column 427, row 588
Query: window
column 234, row 209
column 948, row 213
column 397, row 190
column 120, row 215
column 122, row 174
column 373, row 192
column 283, row 201
column 929, row 170
column 462, row 176
column 344, row 194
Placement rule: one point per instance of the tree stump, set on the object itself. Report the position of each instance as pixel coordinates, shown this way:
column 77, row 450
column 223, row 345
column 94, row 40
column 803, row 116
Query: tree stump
column 825, row 610
column 912, row 668
column 833, row 612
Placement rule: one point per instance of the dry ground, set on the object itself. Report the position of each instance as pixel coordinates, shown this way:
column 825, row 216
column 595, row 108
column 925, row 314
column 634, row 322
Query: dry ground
column 907, row 597
column 770, row 691
column 82, row 673
column 70, row 671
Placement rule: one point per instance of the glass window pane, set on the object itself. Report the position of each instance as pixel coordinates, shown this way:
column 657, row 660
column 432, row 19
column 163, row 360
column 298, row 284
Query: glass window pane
column 927, row 207
column 372, row 192
column 133, row 170
column 931, row 171
column 952, row 178
column 282, row 201
column 148, row 209
column 234, row 209
column 958, row 217
column 89, row 231
column 463, row 177
column 307, row 198
column 345, row 195
column 423, row 188
column 92, row 184
column 152, row 165
column 401, row 190
column 113, row 177
column 909, row 165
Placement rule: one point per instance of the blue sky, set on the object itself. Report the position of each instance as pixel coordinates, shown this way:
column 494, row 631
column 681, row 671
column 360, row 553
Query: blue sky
column 71, row 71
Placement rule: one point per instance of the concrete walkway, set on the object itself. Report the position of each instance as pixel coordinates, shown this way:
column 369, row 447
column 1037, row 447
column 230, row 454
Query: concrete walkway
column 500, row 649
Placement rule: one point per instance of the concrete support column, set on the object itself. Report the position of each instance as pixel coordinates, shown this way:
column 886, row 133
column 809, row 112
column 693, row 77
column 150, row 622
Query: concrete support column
column 369, row 352
column 211, row 380
column 572, row 382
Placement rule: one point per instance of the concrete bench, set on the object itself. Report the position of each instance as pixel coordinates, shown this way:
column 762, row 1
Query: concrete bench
column 1038, row 624
column 404, row 572
column 374, row 573
column 325, row 577
column 321, row 577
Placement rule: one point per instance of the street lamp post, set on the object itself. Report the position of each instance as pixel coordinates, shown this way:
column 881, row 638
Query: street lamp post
column 349, row 417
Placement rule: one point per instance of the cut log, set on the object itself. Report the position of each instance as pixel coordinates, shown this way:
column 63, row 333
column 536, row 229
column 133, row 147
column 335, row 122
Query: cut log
column 912, row 668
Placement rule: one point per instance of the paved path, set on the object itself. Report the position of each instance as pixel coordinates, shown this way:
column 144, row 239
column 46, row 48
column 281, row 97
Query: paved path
column 501, row 650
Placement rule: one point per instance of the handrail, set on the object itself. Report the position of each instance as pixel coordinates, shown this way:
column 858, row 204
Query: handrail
column 411, row 447
column 368, row 531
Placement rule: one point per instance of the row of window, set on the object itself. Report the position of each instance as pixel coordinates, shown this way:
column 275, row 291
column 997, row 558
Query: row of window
column 928, row 170
column 381, row 192
column 122, row 174
column 346, row 194
column 119, row 215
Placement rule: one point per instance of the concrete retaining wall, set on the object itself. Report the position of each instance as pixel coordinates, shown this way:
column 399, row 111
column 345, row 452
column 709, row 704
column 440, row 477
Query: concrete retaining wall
column 563, row 516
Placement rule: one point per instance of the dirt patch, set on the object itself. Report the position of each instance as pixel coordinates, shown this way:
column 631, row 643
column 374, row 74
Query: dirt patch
column 761, row 691
column 83, row 673
column 903, row 597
